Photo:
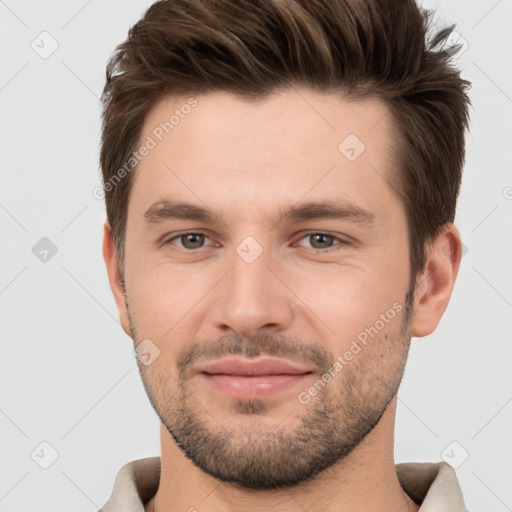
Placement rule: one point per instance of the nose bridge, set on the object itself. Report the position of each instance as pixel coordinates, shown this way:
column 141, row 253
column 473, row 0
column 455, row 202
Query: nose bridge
column 251, row 296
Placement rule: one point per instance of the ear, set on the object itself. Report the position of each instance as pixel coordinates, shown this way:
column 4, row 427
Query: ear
column 434, row 286
column 114, row 277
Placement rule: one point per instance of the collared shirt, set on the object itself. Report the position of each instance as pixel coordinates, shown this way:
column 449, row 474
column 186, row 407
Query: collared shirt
column 434, row 486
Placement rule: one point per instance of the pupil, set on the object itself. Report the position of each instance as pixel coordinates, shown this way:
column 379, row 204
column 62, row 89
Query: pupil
column 320, row 237
column 190, row 238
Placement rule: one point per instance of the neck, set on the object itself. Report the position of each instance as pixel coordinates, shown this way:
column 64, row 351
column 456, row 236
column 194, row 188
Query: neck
column 364, row 480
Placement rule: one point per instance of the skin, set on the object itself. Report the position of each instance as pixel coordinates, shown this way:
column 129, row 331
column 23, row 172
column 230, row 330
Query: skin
column 248, row 163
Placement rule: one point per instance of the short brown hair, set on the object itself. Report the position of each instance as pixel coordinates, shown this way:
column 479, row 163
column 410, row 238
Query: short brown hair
column 359, row 48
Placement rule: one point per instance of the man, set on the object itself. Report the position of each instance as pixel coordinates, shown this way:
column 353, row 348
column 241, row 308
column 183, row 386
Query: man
column 281, row 181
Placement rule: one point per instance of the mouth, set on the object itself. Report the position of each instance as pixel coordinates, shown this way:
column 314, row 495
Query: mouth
column 251, row 379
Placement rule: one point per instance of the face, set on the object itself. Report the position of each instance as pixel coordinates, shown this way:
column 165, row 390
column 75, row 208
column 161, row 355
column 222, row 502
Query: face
column 265, row 236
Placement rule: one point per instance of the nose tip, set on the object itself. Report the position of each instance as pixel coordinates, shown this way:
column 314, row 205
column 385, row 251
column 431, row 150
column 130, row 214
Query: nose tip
column 252, row 299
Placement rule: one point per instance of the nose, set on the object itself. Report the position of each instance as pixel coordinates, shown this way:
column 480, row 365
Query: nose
column 252, row 297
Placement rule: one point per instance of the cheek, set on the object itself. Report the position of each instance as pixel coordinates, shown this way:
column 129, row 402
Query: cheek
column 163, row 299
column 153, row 281
column 349, row 299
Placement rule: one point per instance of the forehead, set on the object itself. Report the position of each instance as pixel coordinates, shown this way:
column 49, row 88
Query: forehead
column 297, row 144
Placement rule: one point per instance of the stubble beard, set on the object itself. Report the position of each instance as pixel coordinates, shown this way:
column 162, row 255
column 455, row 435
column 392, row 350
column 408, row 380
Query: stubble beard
column 254, row 452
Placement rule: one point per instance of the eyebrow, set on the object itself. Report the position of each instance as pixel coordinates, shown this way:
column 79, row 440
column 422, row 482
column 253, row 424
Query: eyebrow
column 164, row 209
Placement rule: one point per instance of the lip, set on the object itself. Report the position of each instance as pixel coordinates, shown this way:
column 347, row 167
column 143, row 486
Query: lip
column 251, row 379
column 255, row 387
column 256, row 367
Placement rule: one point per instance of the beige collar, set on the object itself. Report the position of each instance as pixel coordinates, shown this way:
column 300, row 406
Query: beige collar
column 435, row 486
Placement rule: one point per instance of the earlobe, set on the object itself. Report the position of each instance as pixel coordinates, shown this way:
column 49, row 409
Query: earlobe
column 114, row 276
column 435, row 285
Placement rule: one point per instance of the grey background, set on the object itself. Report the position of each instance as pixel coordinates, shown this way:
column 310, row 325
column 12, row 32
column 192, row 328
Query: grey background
column 67, row 370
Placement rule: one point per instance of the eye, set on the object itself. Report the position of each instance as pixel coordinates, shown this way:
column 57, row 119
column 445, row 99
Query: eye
column 189, row 241
column 322, row 241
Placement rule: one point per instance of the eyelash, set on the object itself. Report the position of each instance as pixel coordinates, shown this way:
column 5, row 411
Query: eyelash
column 306, row 235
